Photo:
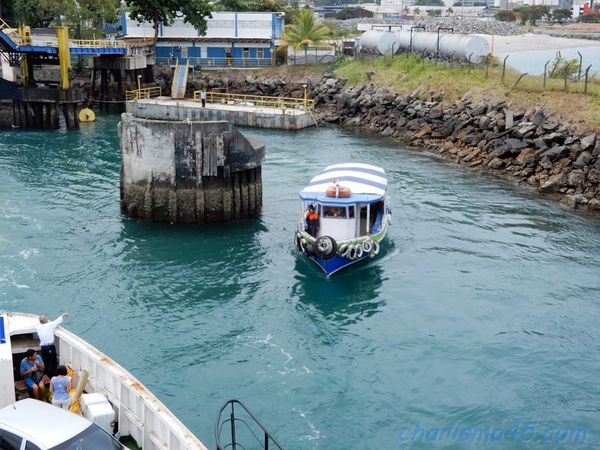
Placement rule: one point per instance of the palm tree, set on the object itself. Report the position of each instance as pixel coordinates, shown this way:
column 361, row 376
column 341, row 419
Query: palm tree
column 417, row 11
column 304, row 31
column 450, row 11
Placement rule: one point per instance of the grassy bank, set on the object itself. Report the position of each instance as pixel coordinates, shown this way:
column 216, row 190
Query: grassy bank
column 407, row 74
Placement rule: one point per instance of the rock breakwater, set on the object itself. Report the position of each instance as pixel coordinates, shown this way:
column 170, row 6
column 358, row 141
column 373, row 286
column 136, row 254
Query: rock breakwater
column 531, row 147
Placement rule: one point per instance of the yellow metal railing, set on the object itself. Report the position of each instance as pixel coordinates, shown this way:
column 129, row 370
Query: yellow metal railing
column 305, row 104
column 12, row 33
column 138, row 94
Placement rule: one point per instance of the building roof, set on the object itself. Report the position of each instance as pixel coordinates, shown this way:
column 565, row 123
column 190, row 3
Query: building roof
column 206, row 39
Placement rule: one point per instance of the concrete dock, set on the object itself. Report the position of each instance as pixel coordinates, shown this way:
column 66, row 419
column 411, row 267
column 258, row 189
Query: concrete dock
column 245, row 115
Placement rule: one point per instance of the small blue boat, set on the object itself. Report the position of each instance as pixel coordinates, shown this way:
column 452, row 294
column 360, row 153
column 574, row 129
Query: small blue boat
column 344, row 215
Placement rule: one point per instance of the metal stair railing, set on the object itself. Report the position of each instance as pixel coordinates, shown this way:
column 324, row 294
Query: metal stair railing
column 11, row 33
column 266, row 440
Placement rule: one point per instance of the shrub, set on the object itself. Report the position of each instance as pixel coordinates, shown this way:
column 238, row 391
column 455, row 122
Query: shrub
column 590, row 18
column 505, row 16
column 562, row 67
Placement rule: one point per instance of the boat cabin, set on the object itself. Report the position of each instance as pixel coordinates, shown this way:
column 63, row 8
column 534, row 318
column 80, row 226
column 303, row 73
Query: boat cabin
column 347, row 218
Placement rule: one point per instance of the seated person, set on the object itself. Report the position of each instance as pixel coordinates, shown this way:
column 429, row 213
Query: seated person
column 32, row 371
column 312, row 221
column 337, row 212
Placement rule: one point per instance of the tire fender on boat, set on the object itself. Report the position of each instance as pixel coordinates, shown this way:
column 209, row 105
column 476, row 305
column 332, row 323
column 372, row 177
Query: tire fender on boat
column 302, row 245
column 297, row 240
column 343, row 249
column 309, row 249
column 359, row 251
column 376, row 248
column 325, row 247
column 351, row 254
column 367, row 246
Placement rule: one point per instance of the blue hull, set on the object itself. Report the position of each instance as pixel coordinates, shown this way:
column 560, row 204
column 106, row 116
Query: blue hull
column 332, row 265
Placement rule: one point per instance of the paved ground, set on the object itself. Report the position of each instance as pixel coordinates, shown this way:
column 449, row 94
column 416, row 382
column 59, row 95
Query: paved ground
column 532, row 42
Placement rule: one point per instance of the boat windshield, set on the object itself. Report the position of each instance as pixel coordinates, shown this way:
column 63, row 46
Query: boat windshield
column 92, row 438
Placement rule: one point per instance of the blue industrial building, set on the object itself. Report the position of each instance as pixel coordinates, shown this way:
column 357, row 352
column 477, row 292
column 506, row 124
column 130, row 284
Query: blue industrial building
column 232, row 39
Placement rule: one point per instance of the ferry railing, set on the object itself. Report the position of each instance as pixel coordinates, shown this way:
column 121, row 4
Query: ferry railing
column 258, row 100
column 245, row 419
column 137, row 94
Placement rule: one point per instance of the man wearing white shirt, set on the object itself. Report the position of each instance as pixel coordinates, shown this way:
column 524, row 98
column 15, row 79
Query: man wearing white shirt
column 45, row 332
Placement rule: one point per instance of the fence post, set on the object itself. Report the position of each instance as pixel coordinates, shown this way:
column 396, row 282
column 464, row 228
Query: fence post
column 586, row 79
column 566, row 76
column 504, row 67
column 580, row 62
column 520, row 78
column 545, row 72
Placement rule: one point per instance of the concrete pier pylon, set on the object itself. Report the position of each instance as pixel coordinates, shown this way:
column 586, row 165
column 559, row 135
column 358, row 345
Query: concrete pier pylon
column 189, row 172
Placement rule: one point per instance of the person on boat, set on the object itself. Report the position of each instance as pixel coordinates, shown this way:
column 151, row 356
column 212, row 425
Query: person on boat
column 45, row 332
column 337, row 212
column 32, row 371
column 312, row 221
column 60, row 385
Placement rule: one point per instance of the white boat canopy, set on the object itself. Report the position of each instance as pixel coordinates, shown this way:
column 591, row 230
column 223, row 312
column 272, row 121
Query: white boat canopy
column 360, row 178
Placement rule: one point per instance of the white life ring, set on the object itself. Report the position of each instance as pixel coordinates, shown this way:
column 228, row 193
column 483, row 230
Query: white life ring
column 367, row 246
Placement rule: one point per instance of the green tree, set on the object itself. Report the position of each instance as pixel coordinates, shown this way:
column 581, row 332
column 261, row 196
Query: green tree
column 505, row 16
column 236, row 5
column 449, row 11
column 304, row 31
column 434, row 12
column 195, row 12
column 417, row 11
column 36, row 13
column 562, row 14
column 7, row 11
column 344, row 14
column 532, row 14
column 81, row 14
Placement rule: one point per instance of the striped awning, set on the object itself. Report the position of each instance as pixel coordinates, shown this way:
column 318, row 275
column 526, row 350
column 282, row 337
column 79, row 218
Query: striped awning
column 360, row 178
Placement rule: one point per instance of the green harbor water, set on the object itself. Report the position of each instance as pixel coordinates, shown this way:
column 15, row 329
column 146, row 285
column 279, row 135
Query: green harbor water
column 476, row 327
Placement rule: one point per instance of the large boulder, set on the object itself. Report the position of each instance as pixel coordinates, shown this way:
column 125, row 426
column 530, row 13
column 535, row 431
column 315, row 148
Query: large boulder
column 556, row 152
column 554, row 183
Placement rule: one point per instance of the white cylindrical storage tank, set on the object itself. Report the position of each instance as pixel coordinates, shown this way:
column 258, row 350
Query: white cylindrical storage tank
column 423, row 41
column 403, row 39
column 471, row 48
column 379, row 42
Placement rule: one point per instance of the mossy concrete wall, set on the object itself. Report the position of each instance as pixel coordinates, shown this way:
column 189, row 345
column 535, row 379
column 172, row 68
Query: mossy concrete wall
column 189, row 172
